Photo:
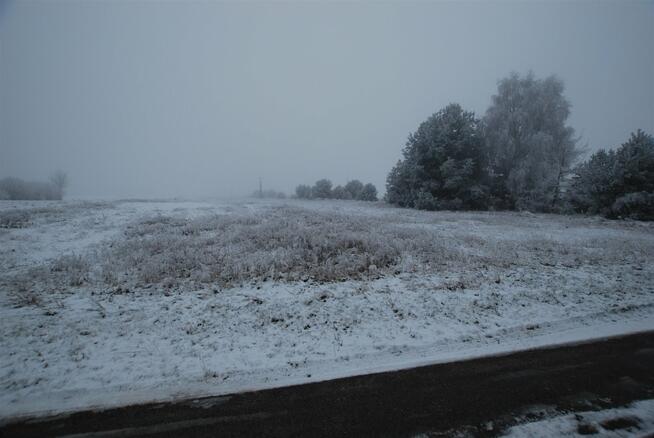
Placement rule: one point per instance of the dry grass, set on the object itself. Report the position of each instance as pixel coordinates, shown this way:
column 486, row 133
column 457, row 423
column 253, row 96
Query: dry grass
column 73, row 269
column 43, row 212
column 280, row 243
column 14, row 219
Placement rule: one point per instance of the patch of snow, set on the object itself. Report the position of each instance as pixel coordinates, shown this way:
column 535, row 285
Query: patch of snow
column 636, row 419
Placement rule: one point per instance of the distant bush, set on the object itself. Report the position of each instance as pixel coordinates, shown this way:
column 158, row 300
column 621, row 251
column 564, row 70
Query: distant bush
column 354, row 188
column 16, row 189
column 368, row 193
column 424, row 200
column 322, row 189
column 635, row 205
column 339, row 192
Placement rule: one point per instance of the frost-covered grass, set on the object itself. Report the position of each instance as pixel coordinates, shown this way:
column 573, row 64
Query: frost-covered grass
column 160, row 297
column 280, row 243
column 14, row 219
column 292, row 243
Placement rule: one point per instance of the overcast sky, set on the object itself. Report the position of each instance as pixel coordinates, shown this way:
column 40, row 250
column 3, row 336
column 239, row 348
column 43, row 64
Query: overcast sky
column 140, row 99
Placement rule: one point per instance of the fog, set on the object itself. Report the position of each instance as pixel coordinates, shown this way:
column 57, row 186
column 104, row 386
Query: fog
column 194, row 99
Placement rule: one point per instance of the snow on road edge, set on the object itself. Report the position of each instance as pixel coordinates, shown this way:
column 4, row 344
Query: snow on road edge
column 63, row 402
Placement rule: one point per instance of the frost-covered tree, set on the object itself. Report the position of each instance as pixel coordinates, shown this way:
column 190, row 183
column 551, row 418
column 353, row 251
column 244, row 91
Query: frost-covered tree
column 531, row 148
column 618, row 183
column 400, row 184
column 594, row 189
column 322, row 189
column 444, row 164
column 303, row 191
column 339, row 192
column 635, row 163
column 354, row 188
column 17, row 189
column 368, row 193
column 59, row 181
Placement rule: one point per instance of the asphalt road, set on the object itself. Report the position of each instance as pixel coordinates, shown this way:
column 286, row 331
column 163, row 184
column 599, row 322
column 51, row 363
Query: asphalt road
column 435, row 400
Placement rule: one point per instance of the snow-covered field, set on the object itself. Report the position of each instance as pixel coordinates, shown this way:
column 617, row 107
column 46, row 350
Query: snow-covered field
column 104, row 303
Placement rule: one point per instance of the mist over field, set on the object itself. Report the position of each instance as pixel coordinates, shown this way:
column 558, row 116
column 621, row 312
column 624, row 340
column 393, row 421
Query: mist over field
column 153, row 99
column 326, row 218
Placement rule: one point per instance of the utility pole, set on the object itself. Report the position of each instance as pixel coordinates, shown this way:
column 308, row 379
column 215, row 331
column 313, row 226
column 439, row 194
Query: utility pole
column 260, row 189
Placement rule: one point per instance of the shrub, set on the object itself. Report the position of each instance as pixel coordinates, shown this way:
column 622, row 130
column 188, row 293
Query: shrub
column 339, row 192
column 354, row 188
column 424, row 201
column 368, row 193
column 322, row 189
column 638, row 205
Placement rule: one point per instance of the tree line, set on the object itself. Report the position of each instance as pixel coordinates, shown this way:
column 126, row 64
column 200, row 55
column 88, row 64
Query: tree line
column 520, row 156
column 268, row 194
column 15, row 189
column 322, row 189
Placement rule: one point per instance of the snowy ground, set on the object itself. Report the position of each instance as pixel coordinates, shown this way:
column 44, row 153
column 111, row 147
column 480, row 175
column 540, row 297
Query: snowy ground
column 105, row 303
column 636, row 419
